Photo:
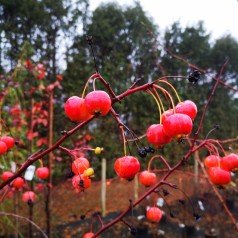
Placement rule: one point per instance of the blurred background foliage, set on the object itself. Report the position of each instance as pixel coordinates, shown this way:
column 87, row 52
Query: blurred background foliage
column 128, row 46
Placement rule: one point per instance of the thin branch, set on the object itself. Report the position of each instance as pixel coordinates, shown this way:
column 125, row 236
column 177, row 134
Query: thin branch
column 25, row 218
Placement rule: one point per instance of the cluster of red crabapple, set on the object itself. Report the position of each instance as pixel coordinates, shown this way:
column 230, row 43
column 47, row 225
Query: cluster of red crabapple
column 175, row 123
column 220, row 168
column 7, row 143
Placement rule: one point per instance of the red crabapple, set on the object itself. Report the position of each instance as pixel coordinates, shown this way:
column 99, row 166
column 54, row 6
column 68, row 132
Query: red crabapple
column 88, row 235
column 75, row 109
column 187, row 107
column 79, row 165
column 81, row 182
column 28, row 197
column 18, row 182
column 212, row 161
column 147, row 178
column 127, row 167
column 156, row 136
column 229, row 162
column 98, row 103
column 6, row 175
column 3, row 147
column 219, row 176
column 43, row 172
column 10, row 142
column 154, row 214
column 178, row 125
column 166, row 114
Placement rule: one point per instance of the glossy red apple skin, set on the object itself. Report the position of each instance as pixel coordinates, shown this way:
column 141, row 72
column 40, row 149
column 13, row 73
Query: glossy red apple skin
column 154, row 214
column 98, row 103
column 6, row 175
column 212, row 161
column 229, row 162
column 81, row 185
column 219, row 176
column 3, row 147
column 156, row 136
column 178, row 125
column 75, row 109
column 79, row 165
column 28, row 196
column 43, row 172
column 9, row 141
column 18, row 182
column 187, row 107
column 147, row 178
column 127, row 167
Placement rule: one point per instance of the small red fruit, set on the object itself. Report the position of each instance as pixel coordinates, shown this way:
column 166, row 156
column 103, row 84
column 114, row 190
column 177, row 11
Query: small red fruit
column 98, row 103
column 18, row 182
column 178, row 125
column 3, row 147
column 127, row 167
column 187, row 107
column 212, row 161
column 88, row 235
column 6, row 175
column 219, row 176
column 10, row 142
column 79, row 165
column 154, row 214
column 147, row 178
column 166, row 114
column 75, row 109
column 28, row 197
column 230, row 162
column 81, row 182
column 43, row 172
column 156, row 136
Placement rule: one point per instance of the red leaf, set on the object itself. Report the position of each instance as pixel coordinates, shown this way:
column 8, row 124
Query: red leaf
column 42, row 141
column 31, row 135
column 59, row 77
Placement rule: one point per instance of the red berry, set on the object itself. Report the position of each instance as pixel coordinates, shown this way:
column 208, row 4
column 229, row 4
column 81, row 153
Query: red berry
column 98, row 103
column 147, row 178
column 154, row 214
column 75, row 109
column 43, row 172
column 79, row 165
column 39, row 187
column 127, row 167
column 219, row 176
column 81, row 182
column 3, row 147
column 230, row 162
column 28, row 197
column 166, row 114
column 6, row 175
column 18, row 182
column 88, row 235
column 10, row 142
column 156, row 136
column 178, row 125
column 187, row 107
column 212, row 161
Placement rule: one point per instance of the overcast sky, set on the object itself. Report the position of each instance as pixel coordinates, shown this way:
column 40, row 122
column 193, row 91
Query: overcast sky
column 220, row 16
